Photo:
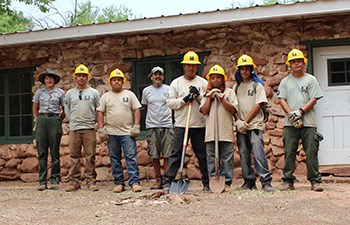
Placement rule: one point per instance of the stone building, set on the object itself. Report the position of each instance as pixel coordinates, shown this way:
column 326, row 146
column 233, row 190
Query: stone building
column 321, row 29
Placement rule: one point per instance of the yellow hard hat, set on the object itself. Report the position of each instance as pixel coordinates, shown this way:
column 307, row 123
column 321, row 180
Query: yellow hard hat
column 216, row 70
column 116, row 73
column 295, row 54
column 245, row 60
column 190, row 58
column 81, row 69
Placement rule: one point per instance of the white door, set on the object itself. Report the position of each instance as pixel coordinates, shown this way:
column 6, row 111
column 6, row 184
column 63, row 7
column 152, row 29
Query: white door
column 333, row 110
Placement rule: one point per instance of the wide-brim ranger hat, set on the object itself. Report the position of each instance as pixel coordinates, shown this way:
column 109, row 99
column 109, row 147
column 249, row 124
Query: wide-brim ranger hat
column 49, row 73
column 156, row 69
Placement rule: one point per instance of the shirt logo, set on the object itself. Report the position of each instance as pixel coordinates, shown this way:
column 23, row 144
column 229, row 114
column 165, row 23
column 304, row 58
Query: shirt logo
column 250, row 92
column 125, row 99
column 304, row 89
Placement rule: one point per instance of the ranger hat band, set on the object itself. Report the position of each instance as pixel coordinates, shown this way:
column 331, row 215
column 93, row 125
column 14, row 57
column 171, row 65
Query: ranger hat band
column 49, row 73
column 156, row 69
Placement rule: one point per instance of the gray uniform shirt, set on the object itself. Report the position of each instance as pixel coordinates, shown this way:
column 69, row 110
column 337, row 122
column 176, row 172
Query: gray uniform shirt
column 49, row 102
column 81, row 111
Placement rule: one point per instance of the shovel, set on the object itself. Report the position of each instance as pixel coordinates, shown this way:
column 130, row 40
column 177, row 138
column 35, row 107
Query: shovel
column 181, row 186
column 216, row 183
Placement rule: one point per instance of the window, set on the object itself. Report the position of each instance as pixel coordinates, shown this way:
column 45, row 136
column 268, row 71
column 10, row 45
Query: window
column 338, row 72
column 16, row 106
column 142, row 67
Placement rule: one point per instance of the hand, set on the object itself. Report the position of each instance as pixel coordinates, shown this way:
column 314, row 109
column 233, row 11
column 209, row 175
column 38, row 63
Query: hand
column 212, row 92
column 242, row 126
column 188, row 98
column 294, row 115
column 219, row 95
column 34, row 127
column 102, row 133
column 135, row 130
column 194, row 91
column 298, row 123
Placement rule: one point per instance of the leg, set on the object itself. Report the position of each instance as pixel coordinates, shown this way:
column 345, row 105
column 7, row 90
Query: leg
column 227, row 161
column 89, row 143
column 55, row 134
column 197, row 140
column 42, row 147
column 129, row 148
column 167, row 145
column 210, row 148
column 291, row 142
column 115, row 154
column 244, row 146
column 75, row 143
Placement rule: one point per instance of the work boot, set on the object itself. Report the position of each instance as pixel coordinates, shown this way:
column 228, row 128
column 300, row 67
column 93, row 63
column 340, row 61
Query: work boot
column 248, row 186
column 286, row 186
column 42, row 187
column 157, row 184
column 206, row 188
column 136, row 187
column 72, row 186
column 54, row 186
column 92, row 186
column 316, row 187
column 166, row 187
column 118, row 188
column 267, row 188
column 227, row 187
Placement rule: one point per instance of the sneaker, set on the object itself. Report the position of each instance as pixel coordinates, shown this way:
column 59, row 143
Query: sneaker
column 72, row 187
column 54, row 186
column 316, row 187
column 287, row 186
column 267, row 188
column 92, row 187
column 248, row 186
column 136, row 187
column 118, row 188
column 41, row 187
column 166, row 187
column 206, row 188
column 157, row 184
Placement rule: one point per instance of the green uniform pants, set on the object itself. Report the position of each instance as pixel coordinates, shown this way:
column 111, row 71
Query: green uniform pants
column 310, row 140
column 48, row 134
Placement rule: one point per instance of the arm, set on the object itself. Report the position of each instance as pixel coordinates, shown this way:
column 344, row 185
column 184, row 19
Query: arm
column 145, row 107
column 285, row 106
column 227, row 105
column 205, row 109
column 137, row 116
column 63, row 114
column 100, row 119
column 174, row 101
column 36, row 108
column 308, row 106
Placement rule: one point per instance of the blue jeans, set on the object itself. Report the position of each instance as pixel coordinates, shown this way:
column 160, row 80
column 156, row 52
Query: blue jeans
column 252, row 142
column 225, row 160
column 115, row 145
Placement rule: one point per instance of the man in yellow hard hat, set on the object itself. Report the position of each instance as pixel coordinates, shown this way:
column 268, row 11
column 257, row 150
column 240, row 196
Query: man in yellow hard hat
column 183, row 90
column 298, row 94
column 119, row 123
column 251, row 98
column 80, row 107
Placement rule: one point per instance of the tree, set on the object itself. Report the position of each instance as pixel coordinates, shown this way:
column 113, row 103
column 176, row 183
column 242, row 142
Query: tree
column 41, row 4
column 271, row 2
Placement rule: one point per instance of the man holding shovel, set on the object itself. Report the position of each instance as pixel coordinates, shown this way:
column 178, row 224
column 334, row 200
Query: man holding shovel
column 185, row 93
column 218, row 105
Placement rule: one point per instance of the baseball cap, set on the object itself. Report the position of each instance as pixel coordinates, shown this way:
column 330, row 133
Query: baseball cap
column 156, row 69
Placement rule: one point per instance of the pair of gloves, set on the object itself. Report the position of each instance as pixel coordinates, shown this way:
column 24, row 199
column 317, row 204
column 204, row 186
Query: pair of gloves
column 103, row 134
column 215, row 93
column 193, row 93
column 295, row 117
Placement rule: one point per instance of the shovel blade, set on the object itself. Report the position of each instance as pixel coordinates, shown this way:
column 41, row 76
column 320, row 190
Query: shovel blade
column 217, row 184
column 179, row 187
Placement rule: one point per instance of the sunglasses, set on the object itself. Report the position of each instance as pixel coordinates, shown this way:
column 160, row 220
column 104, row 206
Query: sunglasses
column 80, row 95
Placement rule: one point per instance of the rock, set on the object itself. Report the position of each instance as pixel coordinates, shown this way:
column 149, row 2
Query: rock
column 277, row 151
column 31, row 151
column 12, row 163
column 2, row 162
column 9, row 174
column 6, row 153
column 193, row 172
column 30, row 165
column 103, row 174
column 143, row 158
column 280, row 163
column 142, row 173
column 29, row 177
column 106, row 161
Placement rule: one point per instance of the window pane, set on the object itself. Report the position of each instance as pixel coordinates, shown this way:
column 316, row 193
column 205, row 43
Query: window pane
column 175, row 69
column 338, row 78
column 26, row 125
column 14, row 126
column 348, row 66
column 14, row 81
column 2, row 85
column 143, row 70
column 337, row 66
column 2, row 127
column 2, row 105
column 14, row 105
column 26, row 82
column 26, row 104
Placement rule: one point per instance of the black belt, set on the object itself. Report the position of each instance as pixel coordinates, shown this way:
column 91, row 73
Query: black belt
column 49, row 114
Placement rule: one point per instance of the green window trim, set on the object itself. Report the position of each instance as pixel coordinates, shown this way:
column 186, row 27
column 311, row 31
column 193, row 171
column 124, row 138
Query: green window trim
column 338, row 72
column 142, row 67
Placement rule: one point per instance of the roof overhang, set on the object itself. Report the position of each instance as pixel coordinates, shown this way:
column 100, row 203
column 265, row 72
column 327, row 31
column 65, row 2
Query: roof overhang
column 178, row 22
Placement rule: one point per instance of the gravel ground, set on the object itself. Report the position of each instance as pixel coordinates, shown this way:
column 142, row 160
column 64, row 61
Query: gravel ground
column 20, row 203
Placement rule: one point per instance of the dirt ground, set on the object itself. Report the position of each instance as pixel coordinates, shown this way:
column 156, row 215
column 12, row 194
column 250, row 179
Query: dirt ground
column 20, row 203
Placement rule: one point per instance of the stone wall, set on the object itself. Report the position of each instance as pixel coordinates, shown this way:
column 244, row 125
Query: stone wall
column 268, row 44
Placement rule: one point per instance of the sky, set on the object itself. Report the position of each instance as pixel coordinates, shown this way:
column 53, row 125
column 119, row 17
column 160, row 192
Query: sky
column 146, row 8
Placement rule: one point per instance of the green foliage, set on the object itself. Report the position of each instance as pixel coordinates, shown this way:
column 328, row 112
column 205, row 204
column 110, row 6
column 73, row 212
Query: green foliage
column 41, row 4
column 115, row 13
column 14, row 21
column 271, row 2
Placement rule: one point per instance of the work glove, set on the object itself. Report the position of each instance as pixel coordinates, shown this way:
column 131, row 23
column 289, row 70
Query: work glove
column 194, row 91
column 135, row 130
column 298, row 123
column 102, row 133
column 212, row 92
column 294, row 115
column 242, row 126
column 34, row 127
column 189, row 98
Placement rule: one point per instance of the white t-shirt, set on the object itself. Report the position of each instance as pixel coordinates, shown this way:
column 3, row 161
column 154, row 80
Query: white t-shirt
column 158, row 113
column 118, row 109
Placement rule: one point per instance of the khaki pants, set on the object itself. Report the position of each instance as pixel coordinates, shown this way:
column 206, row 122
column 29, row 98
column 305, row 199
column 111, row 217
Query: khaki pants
column 87, row 140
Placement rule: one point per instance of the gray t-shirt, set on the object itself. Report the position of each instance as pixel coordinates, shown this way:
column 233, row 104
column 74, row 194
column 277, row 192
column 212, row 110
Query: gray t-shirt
column 158, row 112
column 49, row 102
column 80, row 108
column 297, row 92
